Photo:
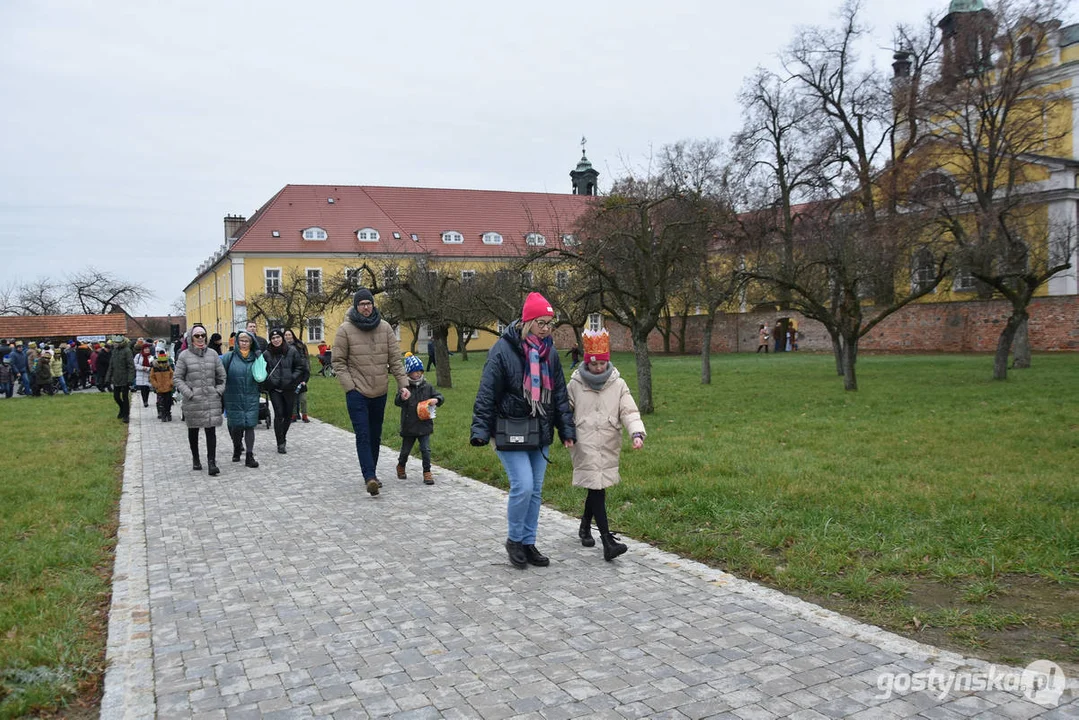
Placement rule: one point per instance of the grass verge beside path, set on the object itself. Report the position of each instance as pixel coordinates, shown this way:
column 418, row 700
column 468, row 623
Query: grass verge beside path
column 58, row 509
column 934, row 501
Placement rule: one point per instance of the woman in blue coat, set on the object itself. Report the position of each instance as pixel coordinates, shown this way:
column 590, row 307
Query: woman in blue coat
column 241, row 397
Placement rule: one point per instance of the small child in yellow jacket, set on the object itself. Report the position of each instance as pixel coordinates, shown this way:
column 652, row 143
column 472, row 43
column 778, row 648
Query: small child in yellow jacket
column 602, row 406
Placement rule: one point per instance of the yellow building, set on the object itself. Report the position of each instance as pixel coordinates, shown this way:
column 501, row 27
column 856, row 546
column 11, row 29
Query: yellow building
column 323, row 235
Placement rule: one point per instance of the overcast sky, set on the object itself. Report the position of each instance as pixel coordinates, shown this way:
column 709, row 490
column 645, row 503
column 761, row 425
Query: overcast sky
column 128, row 129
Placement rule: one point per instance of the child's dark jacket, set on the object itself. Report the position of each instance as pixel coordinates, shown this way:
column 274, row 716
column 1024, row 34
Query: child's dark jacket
column 411, row 425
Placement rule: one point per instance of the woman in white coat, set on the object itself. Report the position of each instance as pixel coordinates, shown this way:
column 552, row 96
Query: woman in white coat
column 602, row 406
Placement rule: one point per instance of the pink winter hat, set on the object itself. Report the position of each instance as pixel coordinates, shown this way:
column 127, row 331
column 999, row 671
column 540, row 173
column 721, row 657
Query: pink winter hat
column 535, row 306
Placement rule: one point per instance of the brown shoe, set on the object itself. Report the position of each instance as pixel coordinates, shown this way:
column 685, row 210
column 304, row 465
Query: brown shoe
column 401, row 472
column 372, row 486
column 428, row 479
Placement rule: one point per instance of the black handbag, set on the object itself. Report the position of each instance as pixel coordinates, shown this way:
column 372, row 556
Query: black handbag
column 517, row 433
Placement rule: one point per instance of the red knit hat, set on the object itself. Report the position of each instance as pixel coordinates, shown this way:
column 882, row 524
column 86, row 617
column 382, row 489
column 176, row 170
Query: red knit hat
column 535, row 306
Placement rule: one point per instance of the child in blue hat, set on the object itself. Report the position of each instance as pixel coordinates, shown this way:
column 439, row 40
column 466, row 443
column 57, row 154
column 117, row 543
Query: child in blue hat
column 417, row 415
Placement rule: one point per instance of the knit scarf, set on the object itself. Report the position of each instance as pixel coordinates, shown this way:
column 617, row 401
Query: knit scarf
column 537, row 382
column 364, row 323
column 593, row 380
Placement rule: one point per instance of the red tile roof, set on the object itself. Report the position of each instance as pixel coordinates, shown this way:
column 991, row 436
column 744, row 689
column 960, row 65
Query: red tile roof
column 426, row 212
column 62, row 326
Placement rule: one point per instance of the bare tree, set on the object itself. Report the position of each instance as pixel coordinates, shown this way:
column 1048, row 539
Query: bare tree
column 298, row 299
column 95, row 292
column 179, row 306
column 996, row 106
column 40, row 297
column 636, row 245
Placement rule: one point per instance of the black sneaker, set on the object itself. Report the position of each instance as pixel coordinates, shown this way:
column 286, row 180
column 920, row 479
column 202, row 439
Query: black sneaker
column 535, row 557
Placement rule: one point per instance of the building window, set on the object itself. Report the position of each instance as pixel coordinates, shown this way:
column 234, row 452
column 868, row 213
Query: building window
column 500, row 328
column 561, row 279
column 452, row 237
column 595, row 322
column 314, row 330
column 389, row 276
column 922, row 270
column 1026, row 46
column 934, row 187
column 526, row 279
column 569, row 240
column 963, row 281
column 314, row 281
column 314, row 233
column 534, row 238
column 468, row 275
column 272, row 323
column 367, row 235
column 492, row 238
column 352, row 279
column 273, row 281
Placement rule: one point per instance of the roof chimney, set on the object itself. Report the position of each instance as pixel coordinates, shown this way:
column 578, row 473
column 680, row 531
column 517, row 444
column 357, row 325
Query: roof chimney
column 232, row 226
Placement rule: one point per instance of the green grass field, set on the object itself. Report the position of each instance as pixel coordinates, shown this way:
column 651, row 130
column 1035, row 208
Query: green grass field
column 58, row 507
column 934, row 501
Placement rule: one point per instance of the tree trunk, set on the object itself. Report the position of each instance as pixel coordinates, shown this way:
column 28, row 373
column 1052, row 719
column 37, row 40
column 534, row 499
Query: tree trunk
column 683, row 320
column 644, row 373
column 706, row 350
column 850, row 357
column 837, row 352
column 1004, row 342
column 462, row 344
column 443, row 377
column 1021, row 347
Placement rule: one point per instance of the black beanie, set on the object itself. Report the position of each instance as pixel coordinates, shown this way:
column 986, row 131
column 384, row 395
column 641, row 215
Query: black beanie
column 362, row 294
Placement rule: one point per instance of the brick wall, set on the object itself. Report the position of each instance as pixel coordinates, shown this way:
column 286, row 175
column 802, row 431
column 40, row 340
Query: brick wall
column 928, row 327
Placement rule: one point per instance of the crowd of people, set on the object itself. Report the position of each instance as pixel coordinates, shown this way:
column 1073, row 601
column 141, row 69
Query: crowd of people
column 522, row 402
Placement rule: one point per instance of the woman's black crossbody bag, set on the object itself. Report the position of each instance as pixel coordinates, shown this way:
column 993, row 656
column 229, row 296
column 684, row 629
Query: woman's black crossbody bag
column 517, row 433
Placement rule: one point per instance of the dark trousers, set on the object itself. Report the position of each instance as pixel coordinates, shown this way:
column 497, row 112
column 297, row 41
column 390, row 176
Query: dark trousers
column 282, row 413
column 8, row 388
column 47, row 387
column 366, row 415
column 122, row 396
column 164, row 405
column 211, row 443
column 246, row 436
column 407, row 441
column 595, row 506
column 145, row 390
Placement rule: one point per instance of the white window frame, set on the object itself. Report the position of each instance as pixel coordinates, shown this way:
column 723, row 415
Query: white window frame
column 569, row 240
column 920, row 274
column 561, row 279
column 315, row 233
column 276, row 290
column 272, row 323
column 492, row 238
column 390, row 276
column 316, row 329
column 307, row 274
column 535, row 239
column 963, row 281
column 500, row 327
column 452, row 237
column 352, row 278
column 468, row 275
column 595, row 322
column 367, row 234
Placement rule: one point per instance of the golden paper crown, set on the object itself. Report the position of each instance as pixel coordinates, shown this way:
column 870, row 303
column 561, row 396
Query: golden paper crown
column 597, row 345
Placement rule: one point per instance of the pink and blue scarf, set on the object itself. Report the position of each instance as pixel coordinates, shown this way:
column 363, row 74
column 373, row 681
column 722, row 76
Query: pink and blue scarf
column 537, row 383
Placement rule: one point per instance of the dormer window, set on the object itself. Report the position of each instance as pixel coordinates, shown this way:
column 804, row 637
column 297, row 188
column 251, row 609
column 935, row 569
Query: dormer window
column 1026, row 47
column 367, row 235
column 492, row 238
column 569, row 240
column 314, row 233
column 534, row 238
column 452, row 237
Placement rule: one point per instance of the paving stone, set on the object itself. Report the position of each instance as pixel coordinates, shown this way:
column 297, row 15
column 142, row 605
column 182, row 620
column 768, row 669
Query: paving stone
column 289, row 592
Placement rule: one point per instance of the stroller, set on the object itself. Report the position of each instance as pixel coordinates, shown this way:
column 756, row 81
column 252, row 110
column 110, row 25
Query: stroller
column 264, row 410
column 327, row 369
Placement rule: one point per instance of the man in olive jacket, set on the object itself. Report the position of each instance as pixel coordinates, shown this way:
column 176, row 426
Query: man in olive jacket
column 365, row 352
column 121, row 374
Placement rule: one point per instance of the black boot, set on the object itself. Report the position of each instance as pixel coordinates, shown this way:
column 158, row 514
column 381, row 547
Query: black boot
column 196, row 465
column 212, row 469
column 517, row 555
column 237, row 451
column 585, row 533
column 251, row 462
column 535, row 557
column 611, row 547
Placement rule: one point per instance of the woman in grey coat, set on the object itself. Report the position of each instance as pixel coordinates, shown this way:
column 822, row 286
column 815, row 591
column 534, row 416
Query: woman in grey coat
column 200, row 378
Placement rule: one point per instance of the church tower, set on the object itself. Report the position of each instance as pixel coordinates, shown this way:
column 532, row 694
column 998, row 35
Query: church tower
column 968, row 31
column 585, row 176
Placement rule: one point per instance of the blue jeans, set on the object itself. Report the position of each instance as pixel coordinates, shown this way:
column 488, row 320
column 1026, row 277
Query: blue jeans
column 25, row 382
column 63, row 384
column 366, row 415
column 6, row 388
column 525, row 469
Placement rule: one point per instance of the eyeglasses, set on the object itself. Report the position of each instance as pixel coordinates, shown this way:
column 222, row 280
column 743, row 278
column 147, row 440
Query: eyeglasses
column 545, row 323
column 365, row 303
column 198, row 335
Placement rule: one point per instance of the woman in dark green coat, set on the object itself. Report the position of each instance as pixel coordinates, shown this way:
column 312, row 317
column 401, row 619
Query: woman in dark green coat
column 242, row 396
